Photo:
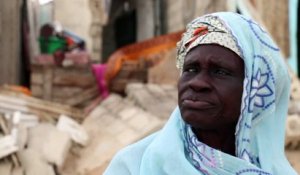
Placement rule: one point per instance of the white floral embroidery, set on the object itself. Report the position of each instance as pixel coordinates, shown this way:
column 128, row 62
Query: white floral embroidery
column 259, row 90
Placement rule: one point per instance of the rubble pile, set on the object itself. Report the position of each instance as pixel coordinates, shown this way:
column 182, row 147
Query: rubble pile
column 35, row 135
column 41, row 137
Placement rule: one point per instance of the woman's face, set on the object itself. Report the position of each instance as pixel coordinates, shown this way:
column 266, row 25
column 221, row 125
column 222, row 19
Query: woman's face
column 211, row 87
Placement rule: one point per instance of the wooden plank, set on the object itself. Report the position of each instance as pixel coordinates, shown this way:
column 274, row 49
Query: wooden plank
column 41, row 108
column 63, row 84
column 65, row 91
column 71, row 79
column 83, row 96
column 24, row 109
column 3, row 125
column 47, row 85
column 74, row 76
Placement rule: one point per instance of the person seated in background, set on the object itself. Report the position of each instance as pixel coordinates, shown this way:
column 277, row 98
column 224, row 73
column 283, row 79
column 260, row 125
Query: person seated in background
column 233, row 95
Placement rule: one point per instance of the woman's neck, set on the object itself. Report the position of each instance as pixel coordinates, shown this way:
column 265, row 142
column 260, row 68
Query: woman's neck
column 223, row 140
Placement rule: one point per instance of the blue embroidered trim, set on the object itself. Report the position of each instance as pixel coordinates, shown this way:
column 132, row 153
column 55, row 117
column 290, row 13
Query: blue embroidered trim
column 260, row 87
column 246, row 140
column 247, row 126
column 251, row 25
column 258, row 172
column 267, row 64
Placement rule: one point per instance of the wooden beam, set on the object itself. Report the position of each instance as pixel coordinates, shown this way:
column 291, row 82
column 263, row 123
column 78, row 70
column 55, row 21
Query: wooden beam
column 41, row 108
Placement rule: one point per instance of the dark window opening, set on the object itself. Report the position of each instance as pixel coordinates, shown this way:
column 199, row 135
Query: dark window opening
column 125, row 29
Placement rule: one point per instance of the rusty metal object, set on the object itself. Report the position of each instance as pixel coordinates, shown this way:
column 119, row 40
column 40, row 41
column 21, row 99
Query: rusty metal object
column 147, row 50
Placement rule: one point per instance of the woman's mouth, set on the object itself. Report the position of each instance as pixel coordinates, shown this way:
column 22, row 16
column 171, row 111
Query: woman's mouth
column 197, row 104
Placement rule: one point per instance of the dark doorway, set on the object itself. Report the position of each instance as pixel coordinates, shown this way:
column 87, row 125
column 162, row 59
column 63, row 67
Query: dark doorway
column 125, row 29
column 24, row 54
column 121, row 28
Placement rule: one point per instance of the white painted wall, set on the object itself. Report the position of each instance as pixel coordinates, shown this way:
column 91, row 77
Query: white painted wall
column 75, row 15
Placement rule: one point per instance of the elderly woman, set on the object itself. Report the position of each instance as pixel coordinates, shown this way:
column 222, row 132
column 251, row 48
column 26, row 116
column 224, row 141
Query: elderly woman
column 233, row 98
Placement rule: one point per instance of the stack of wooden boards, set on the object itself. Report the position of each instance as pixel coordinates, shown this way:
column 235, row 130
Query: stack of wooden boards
column 73, row 85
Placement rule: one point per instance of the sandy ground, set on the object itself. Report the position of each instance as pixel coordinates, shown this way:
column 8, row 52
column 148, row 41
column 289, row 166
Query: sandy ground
column 294, row 158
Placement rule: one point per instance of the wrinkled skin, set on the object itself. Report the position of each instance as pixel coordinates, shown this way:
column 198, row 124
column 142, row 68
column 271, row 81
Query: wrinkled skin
column 210, row 92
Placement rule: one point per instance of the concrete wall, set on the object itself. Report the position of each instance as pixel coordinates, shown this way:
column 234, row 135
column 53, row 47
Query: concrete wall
column 174, row 15
column 10, row 42
column 145, row 19
column 75, row 16
column 180, row 12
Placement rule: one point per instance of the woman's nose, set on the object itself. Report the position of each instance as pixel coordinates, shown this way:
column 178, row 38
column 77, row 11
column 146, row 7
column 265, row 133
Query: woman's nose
column 201, row 82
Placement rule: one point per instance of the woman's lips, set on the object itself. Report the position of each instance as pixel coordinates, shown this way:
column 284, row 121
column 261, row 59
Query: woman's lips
column 197, row 104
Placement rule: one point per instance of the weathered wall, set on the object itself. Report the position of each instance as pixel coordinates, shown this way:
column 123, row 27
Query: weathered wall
column 180, row 12
column 274, row 14
column 174, row 15
column 145, row 19
column 10, row 41
column 99, row 16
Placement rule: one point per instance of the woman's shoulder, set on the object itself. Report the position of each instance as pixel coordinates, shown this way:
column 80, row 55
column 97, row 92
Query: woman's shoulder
column 128, row 159
column 136, row 148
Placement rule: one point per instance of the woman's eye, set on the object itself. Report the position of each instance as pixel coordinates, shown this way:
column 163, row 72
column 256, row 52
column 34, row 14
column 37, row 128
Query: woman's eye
column 190, row 69
column 221, row 72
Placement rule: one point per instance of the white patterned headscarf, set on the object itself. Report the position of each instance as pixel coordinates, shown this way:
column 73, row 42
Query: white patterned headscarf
column 210, row 30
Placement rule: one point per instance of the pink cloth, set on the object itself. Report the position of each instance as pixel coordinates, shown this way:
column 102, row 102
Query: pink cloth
column 99, row 72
